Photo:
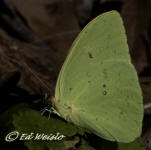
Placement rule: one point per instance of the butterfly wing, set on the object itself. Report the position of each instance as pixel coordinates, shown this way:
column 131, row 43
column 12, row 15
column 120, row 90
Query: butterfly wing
column 98, row 86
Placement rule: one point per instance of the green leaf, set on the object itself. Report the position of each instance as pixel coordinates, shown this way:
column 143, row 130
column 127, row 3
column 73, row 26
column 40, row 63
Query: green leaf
column 26, row 121
column 71, row 143
column 38, row 145
column 6, row 117
column 35, row 145
column 32, row 121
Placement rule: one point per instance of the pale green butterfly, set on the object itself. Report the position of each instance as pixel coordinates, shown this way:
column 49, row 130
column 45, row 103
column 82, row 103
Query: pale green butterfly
column 98, row 87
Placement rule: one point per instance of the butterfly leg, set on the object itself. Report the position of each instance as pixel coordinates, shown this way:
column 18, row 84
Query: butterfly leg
column 44, row 110
column 51, row 110
column 55, row 112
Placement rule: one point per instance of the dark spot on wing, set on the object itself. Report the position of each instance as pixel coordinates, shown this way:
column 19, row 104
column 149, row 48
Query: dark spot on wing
column 69, row 108
column 90, row 55
column 96, row 119
column 104, row 85
column 89, row 81
column 104, row 93
column 70, row 89
column 121, row 113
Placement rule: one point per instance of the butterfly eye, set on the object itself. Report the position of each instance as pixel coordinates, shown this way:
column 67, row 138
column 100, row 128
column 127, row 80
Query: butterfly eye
column 104, row 85
column 90, row 55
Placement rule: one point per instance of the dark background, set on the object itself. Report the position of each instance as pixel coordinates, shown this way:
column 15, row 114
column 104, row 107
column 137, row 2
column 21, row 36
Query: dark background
column 35, row 37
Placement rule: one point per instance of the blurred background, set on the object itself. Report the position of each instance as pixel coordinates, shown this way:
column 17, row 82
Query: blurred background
column 35, row 37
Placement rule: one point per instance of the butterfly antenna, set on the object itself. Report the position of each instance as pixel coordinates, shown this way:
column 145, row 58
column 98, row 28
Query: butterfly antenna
column 36, row 76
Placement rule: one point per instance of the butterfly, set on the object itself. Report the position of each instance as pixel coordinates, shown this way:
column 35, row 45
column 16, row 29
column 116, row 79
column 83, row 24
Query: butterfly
column 97, row 87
